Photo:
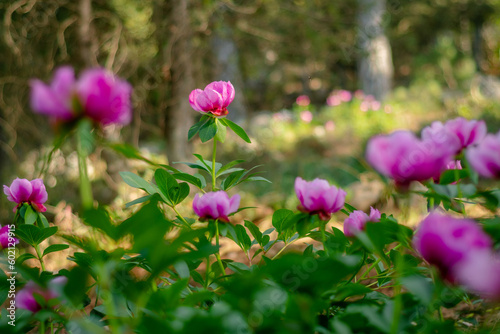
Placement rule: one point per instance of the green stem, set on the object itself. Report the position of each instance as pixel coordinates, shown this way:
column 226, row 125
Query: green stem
column 281, row 250
column 323, row 238
column 207, row 274
column 398, row 304
column 85, row 187
column 375, row 263
column 42, row 327
column 217, row 255
column 39, row 255
column 181, row 218
column 213, row 164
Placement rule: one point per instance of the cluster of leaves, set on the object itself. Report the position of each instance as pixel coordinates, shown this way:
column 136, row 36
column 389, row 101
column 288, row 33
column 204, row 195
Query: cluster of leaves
column 160, row 275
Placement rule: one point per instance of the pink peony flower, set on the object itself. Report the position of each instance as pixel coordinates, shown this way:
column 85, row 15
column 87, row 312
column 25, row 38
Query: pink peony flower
column 55, row 100
column 485, row 157
column 306, row 116
column 405, row 158
column 467, row 132
column 25, row 298
column 98, row 95
column 479, row 273
column 4, row 237
column 215, row 205
column 214, row 99
column 445, row 241
column 345, row 95
column 24, row 191
column 104, row 97
column 357, row 220
column 318, row 197
column 303, row 100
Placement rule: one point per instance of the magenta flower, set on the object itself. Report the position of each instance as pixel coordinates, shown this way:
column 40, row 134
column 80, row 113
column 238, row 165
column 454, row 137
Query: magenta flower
column 55, row 100
column 319, row 197
column 98, row 95
column 485, row 157
column 303, row 100
column 467, row 132
column 24, row 191
column 215, row 205
column 104, row 97
column 25, row 298
column 214, row 99
column 405, row 158
column 357, row 220
column 479, row 273
column 4, row 237
column 445, row 241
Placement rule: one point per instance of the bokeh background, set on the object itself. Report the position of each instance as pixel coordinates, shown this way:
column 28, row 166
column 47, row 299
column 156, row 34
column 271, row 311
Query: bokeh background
column 365, row 66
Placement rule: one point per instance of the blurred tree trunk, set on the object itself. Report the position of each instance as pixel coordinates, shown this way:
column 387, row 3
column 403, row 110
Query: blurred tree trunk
column 375, row 68
column 178, row 57
column 87, row 45
column 227, row 68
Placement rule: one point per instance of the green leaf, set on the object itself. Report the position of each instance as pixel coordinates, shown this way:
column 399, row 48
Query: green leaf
column 452, row 175
column 86, row 140
column 279, row 217
column 221, row 131
column 33, row 235
column 196, row 128
column 24, row 257
column 188, row 178
column 254, row 230
column 167, row 184
column 99, row 218
column 208, row 130
column 42, row 220
column 130, row 152
column 54, row 248
column 138, row 201
column 236, row 128
column 232, row 179
column 200, row 177
column 30, row 215
column 257, row 178
column 136, row 181
column 243, row 238
column 228, row 166
column 421, row 287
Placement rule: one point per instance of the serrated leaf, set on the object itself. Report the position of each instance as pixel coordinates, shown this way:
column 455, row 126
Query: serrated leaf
column 136, row 181
column 237, row 129
column 54, row 248
column 208, row 130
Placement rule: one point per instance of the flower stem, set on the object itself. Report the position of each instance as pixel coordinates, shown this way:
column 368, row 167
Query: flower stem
column 207, row 274
column 181, row 218
column 85, row 187
column 39, row 255
column 398, row 304
column 213, row 164
column 217, row 255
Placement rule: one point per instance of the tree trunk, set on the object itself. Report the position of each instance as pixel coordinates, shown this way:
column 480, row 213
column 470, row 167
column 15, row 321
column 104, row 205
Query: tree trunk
column 375, row 68
column 227, row 68
column 180, row 115
column 87, row 49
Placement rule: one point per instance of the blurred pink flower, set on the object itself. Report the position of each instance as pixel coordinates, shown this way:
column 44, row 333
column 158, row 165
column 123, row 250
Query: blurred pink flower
column 479, row 272
column 4, row 237
column 306, row 116
column 357, row 220
column 25, row 297
column 333, row 100
column 318, row 197
column 445, row 241
column 24, row 191
column 345, row 95
column 405, row 158
column 215, row 99
column 358, row 94
column 98, row 95
column 485, row 157
column 215, row 205
column 303, row 100
column 329, row 126
column 104, row 97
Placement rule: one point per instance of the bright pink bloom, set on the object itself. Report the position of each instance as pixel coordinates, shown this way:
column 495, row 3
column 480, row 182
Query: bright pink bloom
column 25, row 298
column 479, row 272
column 104, row 97
column 55, row 100
column 215, row 205
column 303, row 100
column 97, row 94
column 445, row 241
column 306, row 116
column 214, row 99
column 405, row 158
column 437, row 133
column 357, row 220
column 485, row 157
column 319, row 197
column 4, row 237
column 467, row 132
column 24, row 191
